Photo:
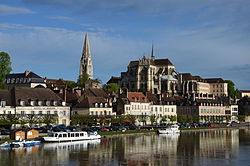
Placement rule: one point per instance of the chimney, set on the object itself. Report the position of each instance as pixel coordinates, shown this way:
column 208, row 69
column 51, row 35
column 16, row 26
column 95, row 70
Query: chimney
column 64, row 94
column 26, row 73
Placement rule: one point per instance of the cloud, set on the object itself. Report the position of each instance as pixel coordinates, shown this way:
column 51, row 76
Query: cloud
column 61, row 18
column 10, row 10
column 56, row 52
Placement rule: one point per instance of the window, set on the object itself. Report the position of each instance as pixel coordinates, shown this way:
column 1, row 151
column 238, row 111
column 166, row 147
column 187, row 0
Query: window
column 22, row 103
column 22, row 112
column 101, row 105
column 32, row 112
column 4, row 112
column 55, row 103
column 40, row 112
column 3, row 103
column 55, row 112
column 64, row 113
column 96, row 105
column 32, row 103
column 9, row 112
column 48, row 112
column 106, row 105
column 40, row 103
column 48, row 103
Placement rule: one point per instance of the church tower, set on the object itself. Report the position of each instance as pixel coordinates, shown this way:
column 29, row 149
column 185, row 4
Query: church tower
column 86, row 66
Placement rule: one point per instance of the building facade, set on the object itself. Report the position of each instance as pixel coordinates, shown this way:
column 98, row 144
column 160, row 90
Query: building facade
column 27, row 79
column 35, row 103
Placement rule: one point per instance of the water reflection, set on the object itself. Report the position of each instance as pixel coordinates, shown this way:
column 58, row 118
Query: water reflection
column 213, row 147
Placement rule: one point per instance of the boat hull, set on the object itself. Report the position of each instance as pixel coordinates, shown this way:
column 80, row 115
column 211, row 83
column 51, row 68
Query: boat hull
column 69, row 139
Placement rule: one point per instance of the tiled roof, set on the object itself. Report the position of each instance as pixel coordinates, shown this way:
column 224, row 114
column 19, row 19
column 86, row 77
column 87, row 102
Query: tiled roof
column 5, row 96
column 215, row 80
column 90, row 102
column 188, row 76
column 41, row 94
column 96, row 92
column 114, row 80
column 245, row 91
column 152, row 97
column 137, row 97
column 160, row 62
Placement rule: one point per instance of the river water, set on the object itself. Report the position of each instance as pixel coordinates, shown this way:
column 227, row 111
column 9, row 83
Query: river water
column 200, row 148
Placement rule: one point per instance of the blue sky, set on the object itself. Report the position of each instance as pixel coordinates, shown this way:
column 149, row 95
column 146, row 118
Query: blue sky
column 210, row 38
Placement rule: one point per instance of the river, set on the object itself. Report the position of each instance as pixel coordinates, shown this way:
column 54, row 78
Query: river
column 200, row 148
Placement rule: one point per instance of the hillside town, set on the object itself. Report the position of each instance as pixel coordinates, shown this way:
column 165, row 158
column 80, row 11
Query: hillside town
column 150, row 92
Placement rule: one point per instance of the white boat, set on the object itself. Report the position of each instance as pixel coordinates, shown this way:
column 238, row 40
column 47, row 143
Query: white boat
column 70, row 136
column 170, row 130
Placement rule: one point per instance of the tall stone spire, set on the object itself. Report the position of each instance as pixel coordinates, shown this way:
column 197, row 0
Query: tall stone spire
column 86, row 66
column 153, row 52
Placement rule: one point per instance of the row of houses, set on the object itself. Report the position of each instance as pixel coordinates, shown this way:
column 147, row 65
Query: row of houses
column 52, row 97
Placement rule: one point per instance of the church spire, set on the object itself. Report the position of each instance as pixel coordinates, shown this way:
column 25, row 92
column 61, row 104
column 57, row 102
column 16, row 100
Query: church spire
column 86, row 66
column 153, row 52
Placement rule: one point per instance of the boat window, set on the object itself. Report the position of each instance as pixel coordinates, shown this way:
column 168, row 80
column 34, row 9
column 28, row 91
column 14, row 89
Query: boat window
column 72, row 135
column 59, row 135
column 68, row 134
column 64, row 135
column 77, row 134
column 81, row 134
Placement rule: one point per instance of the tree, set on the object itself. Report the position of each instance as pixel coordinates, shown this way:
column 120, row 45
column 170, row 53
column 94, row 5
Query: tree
column 5, row 68
column 32, row 119
column 153, row 119
column 82, row 80
column 232, row 92
column 113, row 87
column 172, row 118
column 49, row 119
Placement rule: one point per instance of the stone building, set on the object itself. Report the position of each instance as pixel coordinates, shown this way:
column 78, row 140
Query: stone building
column 152, row 75
column 34, row 101
column 94, row 101
column 86, row 66
column 27, row 79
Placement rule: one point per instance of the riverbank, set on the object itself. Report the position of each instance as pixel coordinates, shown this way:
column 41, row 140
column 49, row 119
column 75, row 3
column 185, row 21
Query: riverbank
column 133, row 132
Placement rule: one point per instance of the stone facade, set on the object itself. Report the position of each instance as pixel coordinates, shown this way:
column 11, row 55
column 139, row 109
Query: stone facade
column 86, row 66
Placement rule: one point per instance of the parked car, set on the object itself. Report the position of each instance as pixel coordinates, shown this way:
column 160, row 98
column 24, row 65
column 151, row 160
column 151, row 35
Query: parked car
column 5, row 132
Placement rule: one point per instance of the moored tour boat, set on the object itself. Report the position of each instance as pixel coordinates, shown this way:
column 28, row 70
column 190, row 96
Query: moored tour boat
column 171, row 130
column 70, row 136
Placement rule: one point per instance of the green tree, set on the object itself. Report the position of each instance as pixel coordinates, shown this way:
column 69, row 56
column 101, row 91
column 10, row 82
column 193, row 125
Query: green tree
column 152, row 119
column 5, row 68
column 82, row 80
column 172, row 118
column 241, row 118
column 232, row 92
column 113, row 87
column 49, row 119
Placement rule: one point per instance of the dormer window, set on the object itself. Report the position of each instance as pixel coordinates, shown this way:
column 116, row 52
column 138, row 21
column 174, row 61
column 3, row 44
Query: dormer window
column 47, row 103
column 55, row 103
column 32, row 103
column 63, row 103
column 22, row 103
column 96, row 105
column 101, row 105
column 106, row 105
column 3, row 103
column 40, row 103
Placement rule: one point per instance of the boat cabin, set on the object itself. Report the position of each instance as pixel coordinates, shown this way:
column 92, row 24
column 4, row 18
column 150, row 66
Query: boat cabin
column 68, row 134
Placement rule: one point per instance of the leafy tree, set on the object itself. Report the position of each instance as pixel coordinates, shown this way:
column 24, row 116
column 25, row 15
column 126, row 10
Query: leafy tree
column 82, row 80
column 172, row 118
column 5, row 68
column 32, row 119
column 241, row 118
column 113, row 87
column 70, row 84
column 153, row 119
column 232, row 92
column 49, row 119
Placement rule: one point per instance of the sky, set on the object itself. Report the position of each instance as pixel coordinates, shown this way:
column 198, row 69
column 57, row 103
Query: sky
column 209, row 38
